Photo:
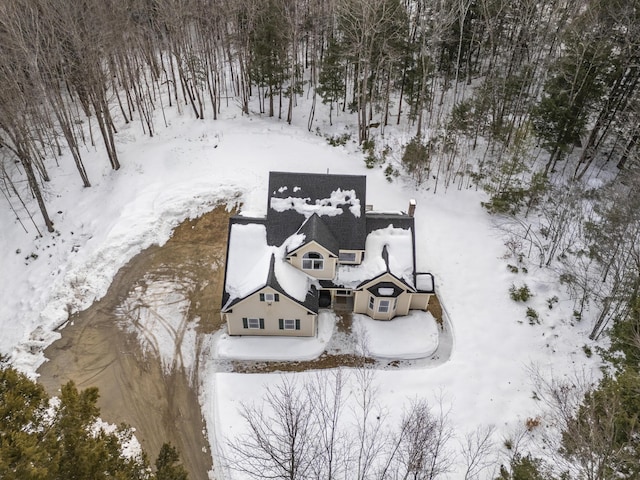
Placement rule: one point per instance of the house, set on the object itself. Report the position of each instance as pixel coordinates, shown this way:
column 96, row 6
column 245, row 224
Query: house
column 320, row 245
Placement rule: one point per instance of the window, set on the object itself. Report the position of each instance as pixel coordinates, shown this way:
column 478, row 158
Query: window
column 385, row 291
column 383, row 306
column 349, row 257
column 344, row 293
column 253, row 323
column 312, row 261
column 269, row 297
column 289, row 324
column 371, row 303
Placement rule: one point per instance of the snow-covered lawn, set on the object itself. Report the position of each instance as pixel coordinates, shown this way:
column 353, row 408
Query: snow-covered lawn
column 411, row 337
column 193, row 165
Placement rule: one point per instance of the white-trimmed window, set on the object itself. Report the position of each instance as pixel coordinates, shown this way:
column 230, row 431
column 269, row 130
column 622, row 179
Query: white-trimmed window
column 312, row 261
column 269, row 297
column 385, row 291
column 289, row 324
column 371, row 302
column 347, row 257
column 344, row 293
column 383, row 306
column 253, row 323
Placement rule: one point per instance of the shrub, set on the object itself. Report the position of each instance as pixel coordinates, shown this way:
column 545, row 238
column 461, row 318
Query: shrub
column 513, row 268
column 369, row 148
column 521, row 294
column 338, row 140
column 416, row 159
column 587, row 351
column 533, row 317
column 390, row 173
column 552, row 301
column 532, row 423
column 507, row 201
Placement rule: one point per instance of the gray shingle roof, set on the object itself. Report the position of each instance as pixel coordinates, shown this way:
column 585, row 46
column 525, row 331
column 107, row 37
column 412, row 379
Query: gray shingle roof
column 315, row 229
column 376, row 221
column 349, row 230
column 395, row 291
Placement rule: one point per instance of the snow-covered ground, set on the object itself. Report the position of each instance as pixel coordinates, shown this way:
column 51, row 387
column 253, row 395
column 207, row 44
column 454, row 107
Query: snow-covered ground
column 193, row 165
column 411, row 337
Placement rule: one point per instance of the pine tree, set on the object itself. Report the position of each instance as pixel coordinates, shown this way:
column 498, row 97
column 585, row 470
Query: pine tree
column 332, row 76
column 167, row 464
column 40, row 440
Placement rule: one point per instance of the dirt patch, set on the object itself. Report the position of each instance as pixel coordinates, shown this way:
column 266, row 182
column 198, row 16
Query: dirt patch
column 435, row 309
column 134, row 389
column 324, row 361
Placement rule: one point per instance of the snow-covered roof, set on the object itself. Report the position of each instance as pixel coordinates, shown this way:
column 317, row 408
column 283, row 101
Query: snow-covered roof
column 252, row 264
column 424, row 282
column 330, row 206
column 398, row 243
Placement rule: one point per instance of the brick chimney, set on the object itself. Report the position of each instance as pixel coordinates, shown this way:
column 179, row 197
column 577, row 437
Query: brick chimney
column 412, row 207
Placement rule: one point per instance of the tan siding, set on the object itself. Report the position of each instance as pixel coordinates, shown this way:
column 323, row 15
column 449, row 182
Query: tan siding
column 329, row 270
column 420, row 301
column 360, row 301
column 404, row 303
column 286, row 308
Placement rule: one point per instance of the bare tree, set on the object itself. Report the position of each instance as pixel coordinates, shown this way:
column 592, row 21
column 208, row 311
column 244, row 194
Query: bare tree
column 478, row 451
column 280, row 443
column 326, row 397
column 422, row 444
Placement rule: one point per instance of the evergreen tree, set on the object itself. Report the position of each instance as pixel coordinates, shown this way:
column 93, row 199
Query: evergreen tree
column 23, row 405
column 332, row 76
column 524, row 468
column 167, row 464
column 416, row 159
column 268, row 41
column 573, row 89
column 43, row 440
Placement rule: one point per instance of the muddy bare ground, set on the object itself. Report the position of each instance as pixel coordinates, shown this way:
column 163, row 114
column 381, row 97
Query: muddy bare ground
column 95, row 351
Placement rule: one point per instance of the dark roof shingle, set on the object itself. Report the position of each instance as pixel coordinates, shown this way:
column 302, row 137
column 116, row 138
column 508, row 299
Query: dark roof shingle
column 315, row 188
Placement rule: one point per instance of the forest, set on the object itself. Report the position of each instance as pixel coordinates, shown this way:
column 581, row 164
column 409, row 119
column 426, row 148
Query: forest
column 536, row 102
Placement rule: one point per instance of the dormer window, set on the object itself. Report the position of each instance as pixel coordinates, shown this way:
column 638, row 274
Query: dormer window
column 312, row 261
column 347, row 257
